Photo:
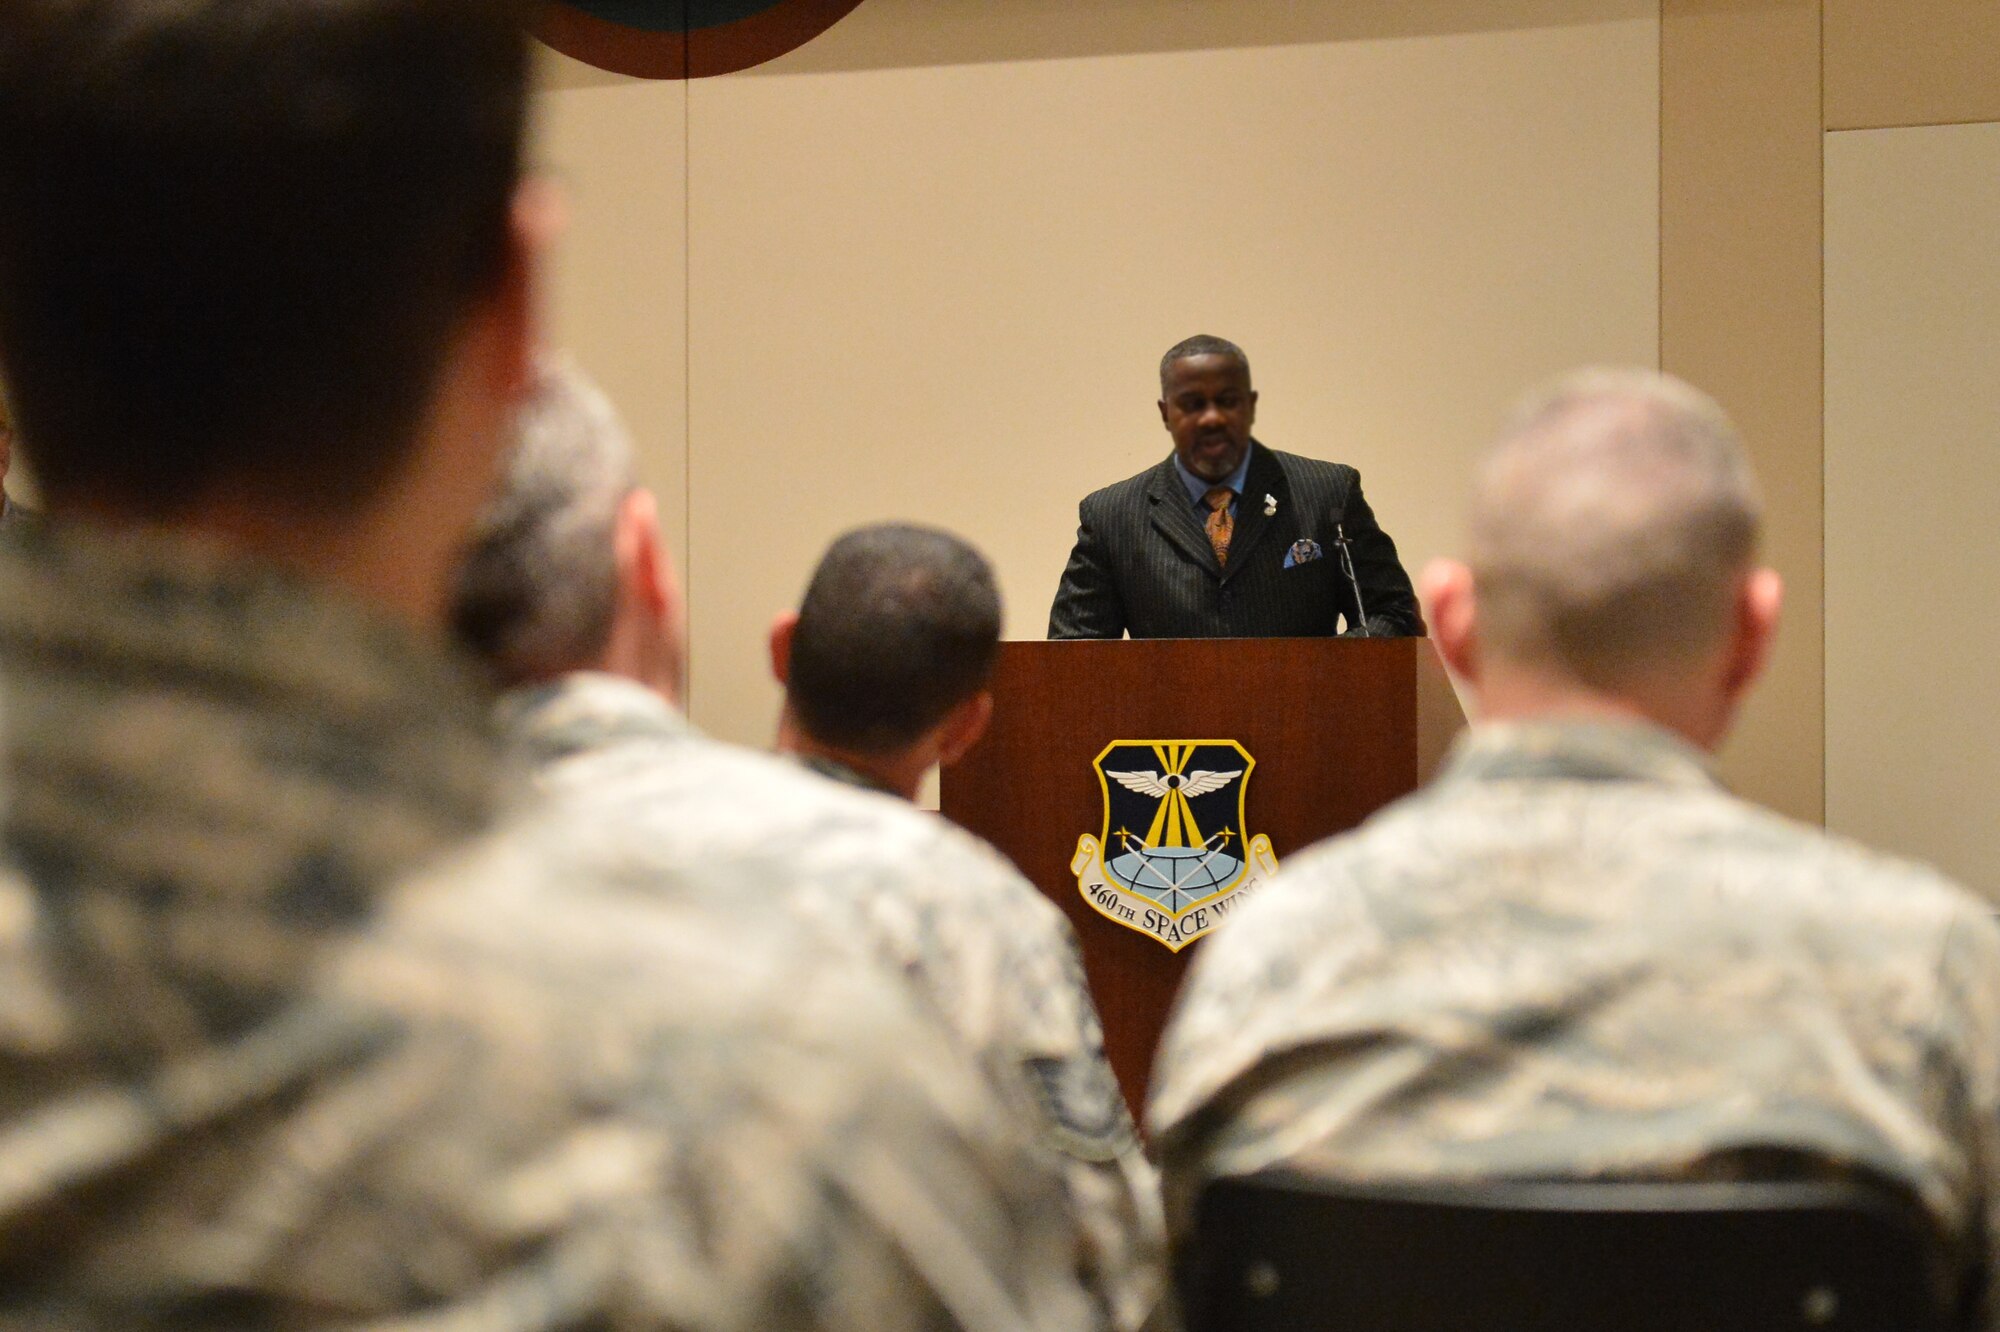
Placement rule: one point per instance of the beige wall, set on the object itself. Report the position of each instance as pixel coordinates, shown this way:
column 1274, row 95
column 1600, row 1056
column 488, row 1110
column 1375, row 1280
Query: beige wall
column 1820, row 283
column 617, row 148
column 928, row 260
column 1740, row 316
column 1912, row 490
column 932, row 260
column 1911, row 62
column 1913, row 427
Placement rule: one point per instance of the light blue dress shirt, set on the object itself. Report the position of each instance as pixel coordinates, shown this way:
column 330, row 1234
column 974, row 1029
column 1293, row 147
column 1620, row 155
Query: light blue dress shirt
column 1196, row 487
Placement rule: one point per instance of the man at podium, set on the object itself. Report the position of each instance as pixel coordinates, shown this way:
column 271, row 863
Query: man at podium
column 1226, row 538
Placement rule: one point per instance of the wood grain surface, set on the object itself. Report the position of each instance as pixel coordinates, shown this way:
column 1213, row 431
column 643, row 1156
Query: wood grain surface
column 1339, row 728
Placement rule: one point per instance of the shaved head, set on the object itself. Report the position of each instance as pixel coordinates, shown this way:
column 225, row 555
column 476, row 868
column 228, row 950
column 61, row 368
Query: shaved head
column 1201, row 344
column 899, row 625
column 1612, row 523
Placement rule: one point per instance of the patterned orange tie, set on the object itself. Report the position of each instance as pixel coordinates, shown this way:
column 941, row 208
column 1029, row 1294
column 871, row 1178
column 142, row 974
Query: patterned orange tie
column 1221, row 526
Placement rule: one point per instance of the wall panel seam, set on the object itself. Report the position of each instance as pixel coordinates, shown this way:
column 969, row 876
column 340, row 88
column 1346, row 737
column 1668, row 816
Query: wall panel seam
column 687, row 375
column 1912, row 124
column 1825, row 713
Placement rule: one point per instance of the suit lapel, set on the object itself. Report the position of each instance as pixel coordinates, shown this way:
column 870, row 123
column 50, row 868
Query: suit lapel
column 1265, row 477
column 1173, row 517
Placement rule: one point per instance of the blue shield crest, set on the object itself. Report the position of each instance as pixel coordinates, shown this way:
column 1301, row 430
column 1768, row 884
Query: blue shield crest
column 1173, row 851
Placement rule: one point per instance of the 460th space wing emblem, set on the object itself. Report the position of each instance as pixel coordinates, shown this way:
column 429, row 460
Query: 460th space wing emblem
column 1173, row 859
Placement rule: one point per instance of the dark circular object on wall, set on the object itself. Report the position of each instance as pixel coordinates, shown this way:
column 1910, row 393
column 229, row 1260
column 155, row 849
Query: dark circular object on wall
column 685, row 39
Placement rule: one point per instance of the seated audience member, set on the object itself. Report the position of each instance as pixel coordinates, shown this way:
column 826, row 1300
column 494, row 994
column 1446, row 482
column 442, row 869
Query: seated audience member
column 568, row 594
column 1575, row 954
column 294, row 1032
column 885, row 662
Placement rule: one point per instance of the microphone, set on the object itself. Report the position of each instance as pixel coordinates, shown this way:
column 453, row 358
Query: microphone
column 1360, row 628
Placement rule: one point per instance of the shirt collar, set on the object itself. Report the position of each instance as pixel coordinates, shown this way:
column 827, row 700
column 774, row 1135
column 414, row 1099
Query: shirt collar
column 1198, row 488
column 1577, row 751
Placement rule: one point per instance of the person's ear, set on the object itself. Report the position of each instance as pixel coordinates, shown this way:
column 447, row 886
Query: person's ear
column 782, row 629
column 963, row 727
column 651, row 610
column 1251, row 415
column 1451, row 610
column 1163, row 415
column 1760, row 600
column 645, row 573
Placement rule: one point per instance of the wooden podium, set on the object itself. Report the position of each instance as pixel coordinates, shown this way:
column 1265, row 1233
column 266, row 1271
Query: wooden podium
column 1338, row 729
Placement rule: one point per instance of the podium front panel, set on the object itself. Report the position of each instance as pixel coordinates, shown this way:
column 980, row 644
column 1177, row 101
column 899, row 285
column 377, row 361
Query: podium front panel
column 1338, row 728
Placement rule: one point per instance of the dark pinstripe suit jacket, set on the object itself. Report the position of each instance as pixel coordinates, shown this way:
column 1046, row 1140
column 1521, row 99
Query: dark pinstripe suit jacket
column 1142, row 563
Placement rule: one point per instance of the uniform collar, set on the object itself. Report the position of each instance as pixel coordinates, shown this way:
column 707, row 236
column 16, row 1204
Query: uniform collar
column 1578, row 751
column 582, row 712
column 834, row 770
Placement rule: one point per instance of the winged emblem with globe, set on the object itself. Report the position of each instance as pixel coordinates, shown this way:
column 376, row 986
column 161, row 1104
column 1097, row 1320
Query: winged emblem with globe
column 1172, row 859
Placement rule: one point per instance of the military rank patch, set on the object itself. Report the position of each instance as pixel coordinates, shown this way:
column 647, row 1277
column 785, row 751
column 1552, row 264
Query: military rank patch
column 1173, row 859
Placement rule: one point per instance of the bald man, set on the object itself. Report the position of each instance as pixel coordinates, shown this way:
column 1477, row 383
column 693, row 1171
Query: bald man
column 1575, row 954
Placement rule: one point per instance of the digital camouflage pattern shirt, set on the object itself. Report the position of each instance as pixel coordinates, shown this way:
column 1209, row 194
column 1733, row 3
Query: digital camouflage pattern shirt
column 992, row 958
column 295, row 1035
column 1576, row 956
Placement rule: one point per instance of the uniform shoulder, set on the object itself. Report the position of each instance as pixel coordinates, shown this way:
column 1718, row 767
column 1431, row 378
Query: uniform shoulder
column 703, row 777
column 933, row 856
column 697, row 813
column 1861, row 873
column 1000, row 875
column 1725, row 849
column 724, row 1058
column 516, row 912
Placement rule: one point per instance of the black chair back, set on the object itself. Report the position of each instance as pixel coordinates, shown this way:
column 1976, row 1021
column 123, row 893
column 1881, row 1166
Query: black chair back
column 1277, row 1253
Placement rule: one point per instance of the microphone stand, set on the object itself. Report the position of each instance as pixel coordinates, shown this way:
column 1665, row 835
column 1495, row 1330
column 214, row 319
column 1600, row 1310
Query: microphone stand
column 1360, row 628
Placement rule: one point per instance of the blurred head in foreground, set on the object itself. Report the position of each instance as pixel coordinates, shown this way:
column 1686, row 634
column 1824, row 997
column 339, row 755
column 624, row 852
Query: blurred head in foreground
column 265, row 276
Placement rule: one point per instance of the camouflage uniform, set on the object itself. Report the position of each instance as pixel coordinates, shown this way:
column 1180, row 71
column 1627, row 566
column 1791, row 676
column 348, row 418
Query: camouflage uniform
column 835, row 771
column 288, row 1041
column 994, row 959
column 1576, row 956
